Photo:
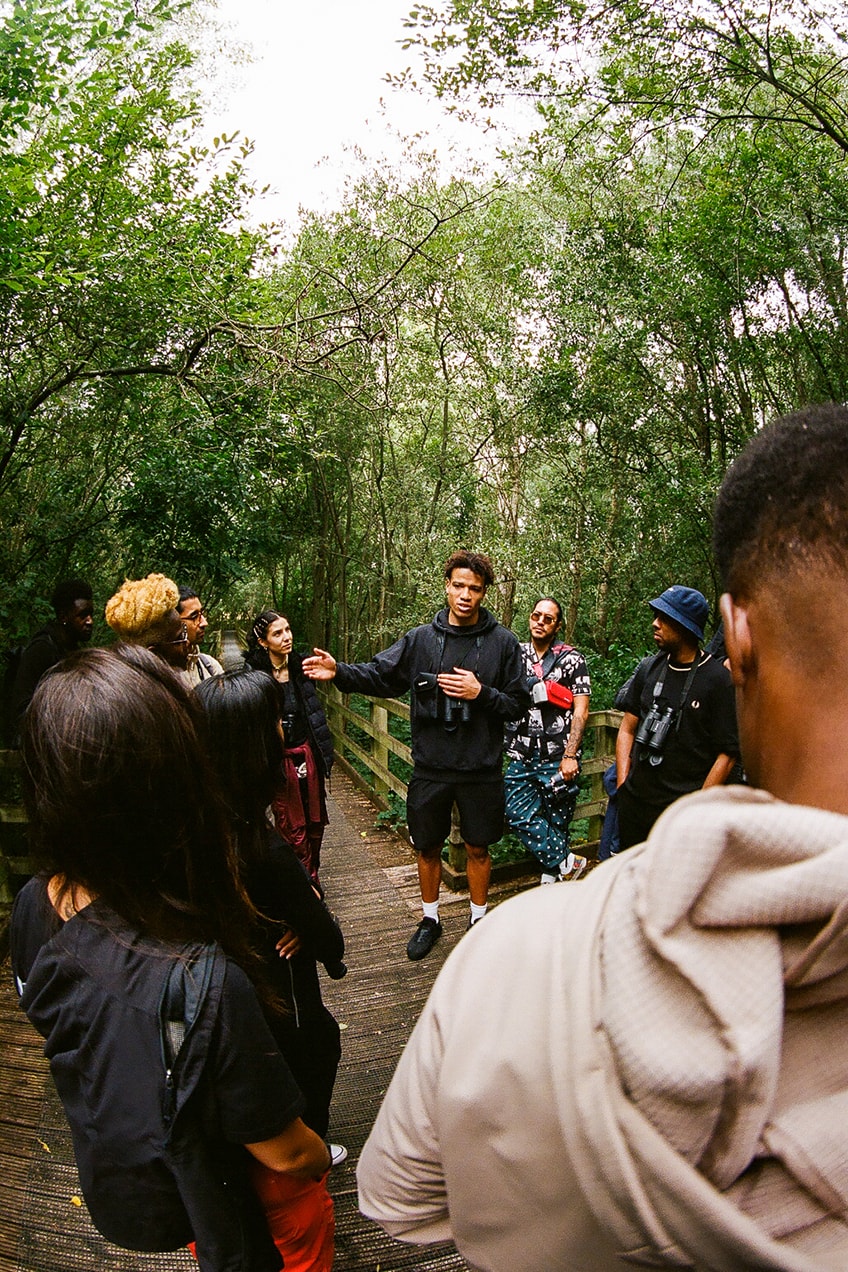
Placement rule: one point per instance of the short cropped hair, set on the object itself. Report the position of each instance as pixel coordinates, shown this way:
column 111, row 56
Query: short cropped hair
column 783, row 504
column 186, row 594
column 476, row 562
column 65, row 595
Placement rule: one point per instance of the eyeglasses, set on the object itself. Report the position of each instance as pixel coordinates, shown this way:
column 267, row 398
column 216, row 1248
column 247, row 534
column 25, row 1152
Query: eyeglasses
column 547, row 619
column 195, row 615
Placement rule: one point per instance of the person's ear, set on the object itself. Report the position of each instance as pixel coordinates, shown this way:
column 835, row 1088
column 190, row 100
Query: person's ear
column 737, row 638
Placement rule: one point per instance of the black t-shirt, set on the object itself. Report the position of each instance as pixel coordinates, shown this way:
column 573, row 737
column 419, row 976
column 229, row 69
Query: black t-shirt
column 707, row 726
column 92, row 988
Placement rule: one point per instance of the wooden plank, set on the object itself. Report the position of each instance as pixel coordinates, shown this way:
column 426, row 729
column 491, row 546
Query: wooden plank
column 378, row 735
column 394, row 783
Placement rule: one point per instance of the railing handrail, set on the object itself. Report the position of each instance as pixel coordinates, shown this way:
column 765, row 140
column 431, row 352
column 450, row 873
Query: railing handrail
column 601, row 729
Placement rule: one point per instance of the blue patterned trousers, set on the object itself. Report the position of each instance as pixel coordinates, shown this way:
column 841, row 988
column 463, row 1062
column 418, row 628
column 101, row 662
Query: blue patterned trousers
column 541, row 827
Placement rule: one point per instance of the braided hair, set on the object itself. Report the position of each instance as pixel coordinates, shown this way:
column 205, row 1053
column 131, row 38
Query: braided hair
column 256, row 655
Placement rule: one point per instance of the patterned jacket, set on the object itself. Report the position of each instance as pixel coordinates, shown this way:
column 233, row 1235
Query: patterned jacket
column 543, row 731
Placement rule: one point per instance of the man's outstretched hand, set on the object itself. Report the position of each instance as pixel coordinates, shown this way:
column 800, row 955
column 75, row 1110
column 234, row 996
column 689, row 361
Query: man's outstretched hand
column 320, row 665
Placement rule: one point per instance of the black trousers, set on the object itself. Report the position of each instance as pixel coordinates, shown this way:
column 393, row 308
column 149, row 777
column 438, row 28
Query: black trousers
column 635, row 818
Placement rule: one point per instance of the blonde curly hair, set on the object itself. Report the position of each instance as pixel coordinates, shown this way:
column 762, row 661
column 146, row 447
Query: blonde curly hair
column 136, row 611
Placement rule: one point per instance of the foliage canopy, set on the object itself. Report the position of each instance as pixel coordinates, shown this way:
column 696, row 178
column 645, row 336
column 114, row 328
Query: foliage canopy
column 556, row 366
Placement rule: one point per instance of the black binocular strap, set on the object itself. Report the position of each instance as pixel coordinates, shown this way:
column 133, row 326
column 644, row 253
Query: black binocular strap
column 687, row 685
column 440, row 652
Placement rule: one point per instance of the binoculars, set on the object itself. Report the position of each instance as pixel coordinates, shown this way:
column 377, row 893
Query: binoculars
column 654, row 729
column 434, row 705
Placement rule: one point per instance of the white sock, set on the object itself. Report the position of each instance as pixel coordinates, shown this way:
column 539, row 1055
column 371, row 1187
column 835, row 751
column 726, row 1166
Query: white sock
column 477, row 911
column 431, row 910
column 567, row 865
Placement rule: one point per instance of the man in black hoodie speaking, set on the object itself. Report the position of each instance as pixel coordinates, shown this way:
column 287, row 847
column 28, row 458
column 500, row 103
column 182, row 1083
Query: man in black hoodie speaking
column 466, row 679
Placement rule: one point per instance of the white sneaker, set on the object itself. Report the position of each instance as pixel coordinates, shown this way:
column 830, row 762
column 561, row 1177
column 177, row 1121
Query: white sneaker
column 338, row 1154
column 549, row 878
column 576, row 868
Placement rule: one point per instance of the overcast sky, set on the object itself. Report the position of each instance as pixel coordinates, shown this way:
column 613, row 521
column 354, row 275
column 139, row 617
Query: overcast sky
column 315, row 85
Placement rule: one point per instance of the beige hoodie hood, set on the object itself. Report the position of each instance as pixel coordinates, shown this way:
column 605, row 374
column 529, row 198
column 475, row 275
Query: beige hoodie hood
column 647, row 1068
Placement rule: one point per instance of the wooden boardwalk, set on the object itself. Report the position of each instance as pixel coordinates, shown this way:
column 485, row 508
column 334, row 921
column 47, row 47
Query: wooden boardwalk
column 370, row 879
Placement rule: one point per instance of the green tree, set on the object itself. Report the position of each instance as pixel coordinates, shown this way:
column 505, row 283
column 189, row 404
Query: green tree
column 123, row 266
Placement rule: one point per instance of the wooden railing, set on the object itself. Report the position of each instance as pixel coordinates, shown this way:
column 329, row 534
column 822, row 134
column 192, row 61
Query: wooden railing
column 14, row 863
column 379, row 780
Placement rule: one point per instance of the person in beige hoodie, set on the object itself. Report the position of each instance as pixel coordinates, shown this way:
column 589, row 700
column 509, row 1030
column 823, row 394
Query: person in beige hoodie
column 650, row 1069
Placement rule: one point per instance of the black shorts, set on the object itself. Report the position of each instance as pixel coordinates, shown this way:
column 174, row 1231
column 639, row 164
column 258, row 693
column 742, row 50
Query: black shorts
column 428, row 811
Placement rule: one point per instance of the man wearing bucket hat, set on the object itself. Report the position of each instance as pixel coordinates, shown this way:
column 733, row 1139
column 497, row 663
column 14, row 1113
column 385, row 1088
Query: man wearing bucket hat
column 679, row 728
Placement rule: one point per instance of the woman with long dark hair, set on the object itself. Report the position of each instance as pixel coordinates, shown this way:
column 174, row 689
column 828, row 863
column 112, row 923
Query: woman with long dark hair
column 299, row 800
column 133, row 952
column 244, row 746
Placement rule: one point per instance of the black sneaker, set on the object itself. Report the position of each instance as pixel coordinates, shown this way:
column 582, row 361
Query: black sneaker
column 423, row 939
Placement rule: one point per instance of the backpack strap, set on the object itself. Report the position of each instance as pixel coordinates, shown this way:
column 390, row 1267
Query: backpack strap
column 180, row 1003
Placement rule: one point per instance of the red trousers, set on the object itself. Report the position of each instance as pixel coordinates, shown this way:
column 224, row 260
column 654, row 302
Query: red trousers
column 300, row 1217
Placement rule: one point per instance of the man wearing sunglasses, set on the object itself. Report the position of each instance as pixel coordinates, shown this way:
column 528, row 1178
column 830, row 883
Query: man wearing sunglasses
column 543, row 747
column 200, row 666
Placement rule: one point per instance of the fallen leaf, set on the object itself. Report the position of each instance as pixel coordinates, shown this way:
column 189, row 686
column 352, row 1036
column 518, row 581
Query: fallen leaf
column 76, row 1201
column 46, row 1147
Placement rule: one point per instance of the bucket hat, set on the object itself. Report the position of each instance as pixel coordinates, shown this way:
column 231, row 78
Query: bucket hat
column 686, row 606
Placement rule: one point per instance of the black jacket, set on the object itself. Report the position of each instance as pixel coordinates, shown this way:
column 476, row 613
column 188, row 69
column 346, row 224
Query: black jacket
column 320, row 738
column 469, row 751
column 306, row 1033
column 43, row 652
column 281, row 890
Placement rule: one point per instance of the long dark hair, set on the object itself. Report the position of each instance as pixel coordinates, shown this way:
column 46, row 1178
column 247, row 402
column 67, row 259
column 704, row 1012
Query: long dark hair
column 257, row 655
column 121, row 799
column 243, row 743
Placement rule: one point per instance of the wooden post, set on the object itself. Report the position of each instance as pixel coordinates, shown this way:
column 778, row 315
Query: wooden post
column 332, row 699
column 379, row 749
column 596, row 785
